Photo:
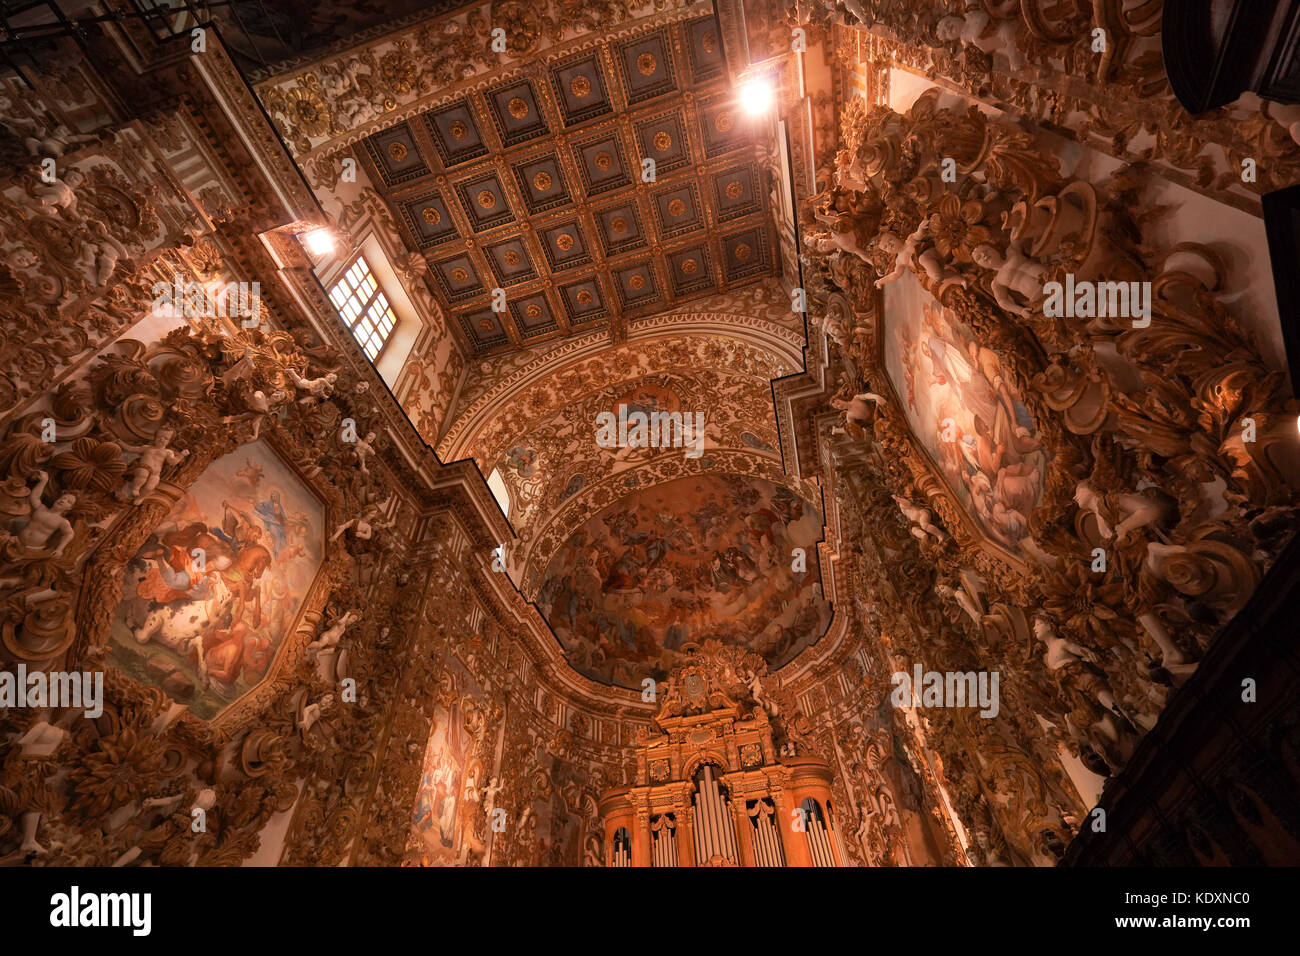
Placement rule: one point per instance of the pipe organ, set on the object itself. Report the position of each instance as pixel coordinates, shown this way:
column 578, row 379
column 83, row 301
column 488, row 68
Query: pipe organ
column 711, row 790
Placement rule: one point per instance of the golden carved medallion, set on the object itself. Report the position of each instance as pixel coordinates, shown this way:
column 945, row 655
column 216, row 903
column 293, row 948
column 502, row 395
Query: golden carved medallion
column 723, row 122
column 743, row 252
column 542, row 182
column 676, row 207
column 636, row 283
column 511, row 257
column 517, row 107
column 709, row 42
column 690, row 266
column 487, row 199
column 734, row 189
column 431, row 215
column 580, row 86
column 646, row 64
column 533, row 310
column 485, row 325
column 458, row 130
column 618, row 225
column 459, row 275
column 663, row 140
column 604, row 160
column 397, row 151
column 564, row 241
column 585, row 297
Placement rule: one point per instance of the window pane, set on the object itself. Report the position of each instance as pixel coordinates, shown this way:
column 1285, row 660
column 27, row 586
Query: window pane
column 364, row 308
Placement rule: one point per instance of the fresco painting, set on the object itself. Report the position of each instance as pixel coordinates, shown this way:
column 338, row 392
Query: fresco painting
column 209, row 599
column 698, row 557
column 965, row 412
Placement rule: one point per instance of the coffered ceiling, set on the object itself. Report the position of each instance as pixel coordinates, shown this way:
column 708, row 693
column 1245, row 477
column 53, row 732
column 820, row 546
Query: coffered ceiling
column 534, row 186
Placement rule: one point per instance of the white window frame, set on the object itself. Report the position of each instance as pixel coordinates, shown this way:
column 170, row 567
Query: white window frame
column 364, row 308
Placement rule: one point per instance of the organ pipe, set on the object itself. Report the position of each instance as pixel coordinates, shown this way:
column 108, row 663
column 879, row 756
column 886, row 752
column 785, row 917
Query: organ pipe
column 707, row 767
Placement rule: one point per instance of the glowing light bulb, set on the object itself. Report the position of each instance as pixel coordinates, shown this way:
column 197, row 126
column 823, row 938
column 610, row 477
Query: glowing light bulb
column 756, row 97
column 319, row 242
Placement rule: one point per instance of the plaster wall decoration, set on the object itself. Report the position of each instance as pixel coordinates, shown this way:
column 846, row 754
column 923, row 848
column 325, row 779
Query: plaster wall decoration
column 137, row 403
column 555, row 458
column 76, row 249
column 539, row 397
column 337, row 98
column 334, row 773
column 759, row 318
column 1158, row 428
column 680, row 560
column 1125, row 107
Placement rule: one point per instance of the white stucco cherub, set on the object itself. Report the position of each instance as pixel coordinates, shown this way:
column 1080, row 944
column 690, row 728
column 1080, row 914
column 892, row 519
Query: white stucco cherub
column 149, row 466
column 317, row 389
column 44, row 527
column 1013, row 273
column 330, row 637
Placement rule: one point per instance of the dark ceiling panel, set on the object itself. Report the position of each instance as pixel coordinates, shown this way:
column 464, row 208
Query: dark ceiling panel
column 645, row 64
column 483, row 328
column 736, row 192
column 510, row 262
column 455, row 134
column 663, row 139
column 746, row 253
column 397, row 156
column 621, row 227
column 533, row 315
column 542, row 183
column 429, row 220
column 602, row 163
column 458, row 277
column 484, row 201
column 637, row 285
column 516, row 113
column 580, row 89
column 677, row 209
column 705, row 49
column 723, row 126
column 584, row 301
column 689, row 269
column 564, row 245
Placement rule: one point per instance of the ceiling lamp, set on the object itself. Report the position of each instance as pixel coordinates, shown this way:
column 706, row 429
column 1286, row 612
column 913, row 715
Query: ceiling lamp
column 319, row 242
column 756, row 97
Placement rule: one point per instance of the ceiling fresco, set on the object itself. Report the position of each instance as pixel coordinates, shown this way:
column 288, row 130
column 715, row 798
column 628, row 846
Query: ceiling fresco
column 534, row 186
column 556, row 459
column 706, row 556
column 750, row 330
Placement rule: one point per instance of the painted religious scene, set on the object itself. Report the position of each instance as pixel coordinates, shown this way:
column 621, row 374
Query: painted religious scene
column 209, row 599
column 698, row 557
column 965, row 413
column 453, row 783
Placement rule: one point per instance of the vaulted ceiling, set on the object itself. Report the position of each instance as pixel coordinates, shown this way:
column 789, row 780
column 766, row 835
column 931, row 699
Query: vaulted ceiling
column 534, row 186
